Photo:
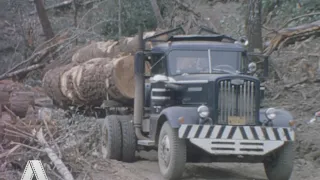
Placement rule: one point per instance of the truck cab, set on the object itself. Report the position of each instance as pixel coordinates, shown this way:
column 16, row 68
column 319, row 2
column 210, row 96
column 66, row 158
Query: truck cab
column 201, row 103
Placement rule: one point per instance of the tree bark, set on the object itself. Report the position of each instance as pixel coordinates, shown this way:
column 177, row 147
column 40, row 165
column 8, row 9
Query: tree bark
column 93, row 81
column 253, row 25
column 45, row 23
column 157, row 13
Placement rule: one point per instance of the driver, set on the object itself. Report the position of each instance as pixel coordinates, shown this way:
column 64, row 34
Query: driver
column 192, row 65
column 202, row 65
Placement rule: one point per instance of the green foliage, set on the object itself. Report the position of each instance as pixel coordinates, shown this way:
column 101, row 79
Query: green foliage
column 133, row 13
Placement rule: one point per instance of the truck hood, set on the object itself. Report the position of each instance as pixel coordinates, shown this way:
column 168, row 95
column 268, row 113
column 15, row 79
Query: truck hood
column 210, row 77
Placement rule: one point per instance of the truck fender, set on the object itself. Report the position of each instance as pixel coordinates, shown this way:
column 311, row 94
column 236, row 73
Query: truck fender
column 282, row 119
column 173, row 113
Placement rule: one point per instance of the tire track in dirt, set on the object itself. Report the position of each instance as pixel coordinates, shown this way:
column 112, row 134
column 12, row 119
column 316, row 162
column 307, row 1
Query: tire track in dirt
column 146, row 168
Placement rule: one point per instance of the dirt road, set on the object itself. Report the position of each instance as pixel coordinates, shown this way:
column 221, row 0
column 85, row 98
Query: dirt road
column 146, row 168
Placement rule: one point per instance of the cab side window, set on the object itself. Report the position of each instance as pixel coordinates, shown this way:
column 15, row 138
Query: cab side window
column 157, row 64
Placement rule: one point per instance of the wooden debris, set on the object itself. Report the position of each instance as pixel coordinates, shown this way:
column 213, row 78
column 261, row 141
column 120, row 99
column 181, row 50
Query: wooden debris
column 61, row 167
column 289, row 35
column 20, row 102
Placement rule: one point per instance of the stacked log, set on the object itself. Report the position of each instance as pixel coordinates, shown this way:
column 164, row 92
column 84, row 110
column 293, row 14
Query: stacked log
column 92, row 82
column 125, row 46
column 96, row 50
column 52, row 85
column 99, row 71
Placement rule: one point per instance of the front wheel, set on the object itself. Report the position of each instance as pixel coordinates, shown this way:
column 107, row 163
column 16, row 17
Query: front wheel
column 111, row 144
column 129, row 141
column 171, row 153
column 280, row 164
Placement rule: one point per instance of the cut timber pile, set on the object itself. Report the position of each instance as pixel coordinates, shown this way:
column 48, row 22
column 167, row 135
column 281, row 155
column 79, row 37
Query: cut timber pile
column 18, row 98
column 18, row 106
column 99, row 71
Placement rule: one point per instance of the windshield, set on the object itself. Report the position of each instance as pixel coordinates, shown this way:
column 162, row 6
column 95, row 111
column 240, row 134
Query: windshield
column 197, row 62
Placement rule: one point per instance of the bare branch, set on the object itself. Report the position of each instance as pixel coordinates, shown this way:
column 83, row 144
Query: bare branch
column 24, row 70
column 61, row 167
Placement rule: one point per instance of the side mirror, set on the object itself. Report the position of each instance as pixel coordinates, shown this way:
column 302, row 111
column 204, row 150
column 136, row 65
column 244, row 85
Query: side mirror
column 159, row 78
column 139, row 63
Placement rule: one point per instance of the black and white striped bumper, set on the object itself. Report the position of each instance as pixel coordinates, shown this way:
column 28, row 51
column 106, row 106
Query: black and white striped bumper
column 242, row 140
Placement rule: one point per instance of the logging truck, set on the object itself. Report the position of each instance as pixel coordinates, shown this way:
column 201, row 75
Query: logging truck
column 200, row 103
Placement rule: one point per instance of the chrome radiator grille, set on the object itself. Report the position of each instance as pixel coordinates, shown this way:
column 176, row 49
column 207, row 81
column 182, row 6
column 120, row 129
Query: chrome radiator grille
column 237, row 100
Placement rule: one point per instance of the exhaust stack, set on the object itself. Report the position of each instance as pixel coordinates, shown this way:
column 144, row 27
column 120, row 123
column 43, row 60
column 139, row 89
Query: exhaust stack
column 139, row 68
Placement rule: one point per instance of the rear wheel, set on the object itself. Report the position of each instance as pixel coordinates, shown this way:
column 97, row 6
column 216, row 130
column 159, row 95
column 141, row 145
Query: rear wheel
column 280, row 164
column 111, row 144
column 129, row 140
column 171, row 153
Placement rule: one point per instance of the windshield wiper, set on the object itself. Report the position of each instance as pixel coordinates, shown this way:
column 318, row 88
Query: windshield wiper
column 224, row 71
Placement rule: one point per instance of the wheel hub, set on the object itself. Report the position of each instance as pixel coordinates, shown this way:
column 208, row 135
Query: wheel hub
column 165, row 150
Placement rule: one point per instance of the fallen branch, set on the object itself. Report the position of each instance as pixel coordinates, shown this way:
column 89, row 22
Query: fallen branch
column 20, row 71
column 288, row 35
column 47, row 117
column 61, row 167
column 295, row 83
column 188, row 8
column 27, row 146
column 298, row 17
column 276, row 31
column 55, row 6
column 38, row 55
column 7, row 153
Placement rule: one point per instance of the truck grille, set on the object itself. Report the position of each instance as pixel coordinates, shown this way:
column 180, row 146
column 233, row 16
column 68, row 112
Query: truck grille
column 237, row 101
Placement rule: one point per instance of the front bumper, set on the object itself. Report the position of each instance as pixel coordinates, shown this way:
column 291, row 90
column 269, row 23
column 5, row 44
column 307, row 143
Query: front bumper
column 236, row 140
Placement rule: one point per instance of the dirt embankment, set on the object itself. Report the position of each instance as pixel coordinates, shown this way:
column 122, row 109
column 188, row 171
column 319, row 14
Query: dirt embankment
column 297, row 90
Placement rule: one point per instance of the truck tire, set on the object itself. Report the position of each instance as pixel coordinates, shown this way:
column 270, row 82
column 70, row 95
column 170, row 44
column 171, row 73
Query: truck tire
column 111, row 137
column 129, row 140
column 281, row 165
column 171, row 153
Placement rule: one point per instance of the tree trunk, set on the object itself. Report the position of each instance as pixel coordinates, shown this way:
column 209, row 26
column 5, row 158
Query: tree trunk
column 253, row 25
column 45, row 23
column 157, row 13
column 119, row 19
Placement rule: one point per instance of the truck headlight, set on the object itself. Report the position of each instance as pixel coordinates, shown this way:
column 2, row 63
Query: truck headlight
column 203, row 111
column 252, row 67
column 271, row 113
